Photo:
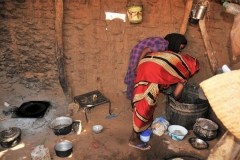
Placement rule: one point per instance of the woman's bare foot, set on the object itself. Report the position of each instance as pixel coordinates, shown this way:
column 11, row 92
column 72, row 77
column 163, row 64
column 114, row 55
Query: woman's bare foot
column 135, row 142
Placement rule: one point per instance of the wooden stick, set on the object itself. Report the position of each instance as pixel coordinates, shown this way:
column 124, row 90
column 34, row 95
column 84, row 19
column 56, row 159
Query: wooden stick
column 59, row 48
column 210, row 52
column 186, row 16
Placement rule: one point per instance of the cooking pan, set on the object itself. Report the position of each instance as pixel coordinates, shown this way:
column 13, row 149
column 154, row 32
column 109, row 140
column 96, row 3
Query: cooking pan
column 33, row 109
column 64, row 125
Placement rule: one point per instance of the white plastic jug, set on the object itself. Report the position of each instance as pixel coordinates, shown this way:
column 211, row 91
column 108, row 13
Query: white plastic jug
column 232, row 8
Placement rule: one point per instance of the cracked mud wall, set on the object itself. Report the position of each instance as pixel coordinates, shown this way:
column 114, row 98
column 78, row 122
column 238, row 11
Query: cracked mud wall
column 97, row 50
column 28, row 67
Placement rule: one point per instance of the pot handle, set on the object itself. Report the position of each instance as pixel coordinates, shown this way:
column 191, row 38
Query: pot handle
column 77, row 126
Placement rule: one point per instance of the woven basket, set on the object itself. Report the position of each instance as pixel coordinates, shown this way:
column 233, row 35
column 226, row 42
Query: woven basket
column 223, row 94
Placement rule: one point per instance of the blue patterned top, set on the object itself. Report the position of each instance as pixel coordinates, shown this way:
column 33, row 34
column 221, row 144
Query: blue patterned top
column 156, row 44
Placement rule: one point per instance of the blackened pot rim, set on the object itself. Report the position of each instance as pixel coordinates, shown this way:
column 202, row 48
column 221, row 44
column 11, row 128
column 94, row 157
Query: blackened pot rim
column 212, row 127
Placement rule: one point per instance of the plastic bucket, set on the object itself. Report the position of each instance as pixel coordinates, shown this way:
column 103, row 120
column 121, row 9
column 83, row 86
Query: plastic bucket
column 145, row 135
column 134, row 13
column 190, row 108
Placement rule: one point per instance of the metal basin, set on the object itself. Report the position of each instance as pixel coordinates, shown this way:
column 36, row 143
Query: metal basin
column 63, row 149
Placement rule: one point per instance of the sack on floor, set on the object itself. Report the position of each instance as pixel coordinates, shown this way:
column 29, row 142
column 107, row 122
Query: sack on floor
column 159, row 126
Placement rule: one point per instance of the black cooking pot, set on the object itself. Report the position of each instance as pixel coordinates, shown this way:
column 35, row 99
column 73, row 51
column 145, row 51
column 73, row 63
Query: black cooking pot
column 10, row 137
column 63, row 149
column 205, row 129
column 64, row 125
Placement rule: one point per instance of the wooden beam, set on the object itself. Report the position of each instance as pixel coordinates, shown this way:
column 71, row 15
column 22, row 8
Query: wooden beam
column 188, row 9
column 226, row 148
column 210, row 52
column 59, row 49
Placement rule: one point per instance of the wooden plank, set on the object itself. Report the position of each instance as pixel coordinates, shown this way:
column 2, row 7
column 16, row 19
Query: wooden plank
column 210, row 52
column 226, row 148
column 59, row 49
column 188, row 9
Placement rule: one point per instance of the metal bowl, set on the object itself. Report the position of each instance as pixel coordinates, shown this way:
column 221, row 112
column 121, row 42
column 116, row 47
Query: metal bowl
column 198, row 143
column 97, row 128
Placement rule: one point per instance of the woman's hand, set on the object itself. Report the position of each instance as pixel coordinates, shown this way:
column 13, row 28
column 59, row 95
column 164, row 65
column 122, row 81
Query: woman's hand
column 178, row 91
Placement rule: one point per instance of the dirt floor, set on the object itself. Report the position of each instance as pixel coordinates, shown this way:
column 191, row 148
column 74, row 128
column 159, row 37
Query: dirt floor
column 112, row 141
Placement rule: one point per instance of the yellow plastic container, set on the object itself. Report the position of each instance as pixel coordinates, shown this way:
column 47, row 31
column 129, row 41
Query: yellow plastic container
column 135, row 13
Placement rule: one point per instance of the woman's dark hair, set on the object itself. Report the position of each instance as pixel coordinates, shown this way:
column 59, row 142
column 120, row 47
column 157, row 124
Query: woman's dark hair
column 175, row 40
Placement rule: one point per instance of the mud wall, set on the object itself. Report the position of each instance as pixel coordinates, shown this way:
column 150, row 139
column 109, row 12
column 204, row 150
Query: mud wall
column 96, row 50
column 27, row 44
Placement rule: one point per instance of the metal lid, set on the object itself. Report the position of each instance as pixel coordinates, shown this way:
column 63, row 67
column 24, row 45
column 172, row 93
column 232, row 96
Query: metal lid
column 9, row 134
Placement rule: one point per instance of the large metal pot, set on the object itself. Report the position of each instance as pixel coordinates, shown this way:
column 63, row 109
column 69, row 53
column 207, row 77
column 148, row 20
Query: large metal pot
column 64, row 125
column 63, row 149
column 10, row 137
column 61, row 125
column 205, row 129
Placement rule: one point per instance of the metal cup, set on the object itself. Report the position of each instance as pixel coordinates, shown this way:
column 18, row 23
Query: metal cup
column 200, row 12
